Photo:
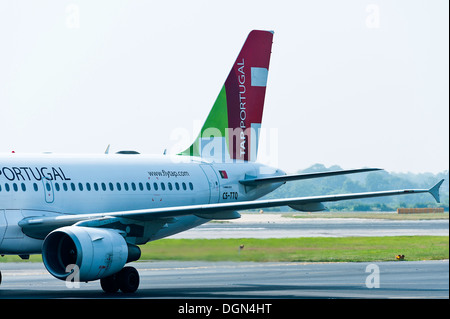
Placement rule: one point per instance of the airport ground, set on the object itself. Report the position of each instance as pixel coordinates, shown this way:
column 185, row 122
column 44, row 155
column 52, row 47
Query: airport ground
column 236, row 280
column 306, row 237
column 227, row 279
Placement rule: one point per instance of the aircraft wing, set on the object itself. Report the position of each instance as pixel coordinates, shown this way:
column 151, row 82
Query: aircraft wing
column 39, row 226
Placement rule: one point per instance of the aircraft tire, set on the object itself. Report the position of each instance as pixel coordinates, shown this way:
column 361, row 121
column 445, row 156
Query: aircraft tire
column 109, row 284
column 128, row 279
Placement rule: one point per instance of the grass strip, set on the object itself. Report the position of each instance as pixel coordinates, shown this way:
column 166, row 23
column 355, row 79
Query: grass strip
column 343, row 249
column 308, row 249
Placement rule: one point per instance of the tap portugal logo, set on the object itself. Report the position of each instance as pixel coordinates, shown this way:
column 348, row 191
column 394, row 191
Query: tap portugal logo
column 33, row 173
column 242, row 112
column 231, row 130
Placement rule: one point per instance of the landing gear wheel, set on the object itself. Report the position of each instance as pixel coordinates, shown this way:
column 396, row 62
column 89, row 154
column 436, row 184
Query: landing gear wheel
column 109, row 284
column 128, row 279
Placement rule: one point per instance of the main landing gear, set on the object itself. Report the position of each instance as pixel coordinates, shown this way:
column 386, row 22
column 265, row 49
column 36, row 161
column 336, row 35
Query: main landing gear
column 127, row 280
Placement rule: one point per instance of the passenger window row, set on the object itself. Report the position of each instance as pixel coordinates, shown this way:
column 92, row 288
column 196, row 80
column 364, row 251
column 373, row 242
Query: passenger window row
column 7, row 187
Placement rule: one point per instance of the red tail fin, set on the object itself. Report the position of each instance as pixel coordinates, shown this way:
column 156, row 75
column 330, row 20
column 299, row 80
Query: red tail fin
column 231, row 131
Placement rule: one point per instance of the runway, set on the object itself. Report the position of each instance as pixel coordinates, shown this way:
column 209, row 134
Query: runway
column 193, row 280
column 278, row 226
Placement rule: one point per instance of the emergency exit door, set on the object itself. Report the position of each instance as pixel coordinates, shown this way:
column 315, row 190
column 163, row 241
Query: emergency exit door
column 3, row 225
column 49, row 192
column 213, row 183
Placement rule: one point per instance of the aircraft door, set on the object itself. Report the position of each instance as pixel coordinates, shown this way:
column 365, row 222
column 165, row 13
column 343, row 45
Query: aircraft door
column 3, row 225
column 48, row 190
column 213, row 183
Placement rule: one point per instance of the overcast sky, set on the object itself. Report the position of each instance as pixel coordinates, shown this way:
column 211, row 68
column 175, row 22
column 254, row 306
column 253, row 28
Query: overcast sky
column 353, row 83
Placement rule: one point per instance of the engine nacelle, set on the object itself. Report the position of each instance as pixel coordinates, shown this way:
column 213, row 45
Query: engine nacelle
column 311, row 207
column 96, row 252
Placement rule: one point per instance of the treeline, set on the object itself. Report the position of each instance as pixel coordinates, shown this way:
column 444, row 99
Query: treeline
column 368, row 182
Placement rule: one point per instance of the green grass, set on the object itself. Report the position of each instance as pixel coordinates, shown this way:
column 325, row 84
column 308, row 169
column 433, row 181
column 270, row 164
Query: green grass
column 346, row 249
column 300, row 249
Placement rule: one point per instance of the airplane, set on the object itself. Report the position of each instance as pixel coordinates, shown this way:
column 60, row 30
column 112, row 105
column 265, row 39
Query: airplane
column 88, row 214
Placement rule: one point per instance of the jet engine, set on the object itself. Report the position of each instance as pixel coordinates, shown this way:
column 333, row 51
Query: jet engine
column 86, row 253
column 311, row 207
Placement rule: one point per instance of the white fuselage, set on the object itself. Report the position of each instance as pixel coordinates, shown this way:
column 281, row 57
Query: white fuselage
column 50, row 185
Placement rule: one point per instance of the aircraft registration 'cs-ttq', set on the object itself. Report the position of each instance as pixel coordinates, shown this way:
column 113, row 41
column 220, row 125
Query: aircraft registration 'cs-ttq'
column 89, row 214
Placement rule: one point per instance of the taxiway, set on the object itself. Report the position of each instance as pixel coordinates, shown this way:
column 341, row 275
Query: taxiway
column 191, row 280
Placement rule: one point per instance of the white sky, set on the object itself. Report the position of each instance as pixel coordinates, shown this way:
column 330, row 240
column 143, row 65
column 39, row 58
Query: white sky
column 353, row 83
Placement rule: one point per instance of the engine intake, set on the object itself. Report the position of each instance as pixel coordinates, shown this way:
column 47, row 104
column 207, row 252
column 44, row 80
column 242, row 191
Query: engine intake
column 97, row 252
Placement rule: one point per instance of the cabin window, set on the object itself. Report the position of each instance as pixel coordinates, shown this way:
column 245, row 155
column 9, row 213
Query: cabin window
column 148, row 186
column 191, row 186
column 35, row 186
column 170, row 186
column 103, row 186
column 177, row 186
column 24, row 188
column 133, row 186
column 119, row 187
column 72, row 186
column 155, row 186
column 111, row 186
column 80, row 186
column 57, row 187
column 65, row 187
column 141, row 186
column 7, row 187
column 88, row 187
column 184, row 186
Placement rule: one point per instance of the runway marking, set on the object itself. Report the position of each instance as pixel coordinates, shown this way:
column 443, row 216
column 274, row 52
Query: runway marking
column 264, row 265
column 40, row 272
column 24, row 273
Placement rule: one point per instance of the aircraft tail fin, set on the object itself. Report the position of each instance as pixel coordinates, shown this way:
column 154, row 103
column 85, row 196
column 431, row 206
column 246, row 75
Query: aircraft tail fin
column 231, row 130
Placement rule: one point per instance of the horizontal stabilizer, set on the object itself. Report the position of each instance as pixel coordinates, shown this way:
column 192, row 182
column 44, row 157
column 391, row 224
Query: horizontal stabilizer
column 288, row 178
